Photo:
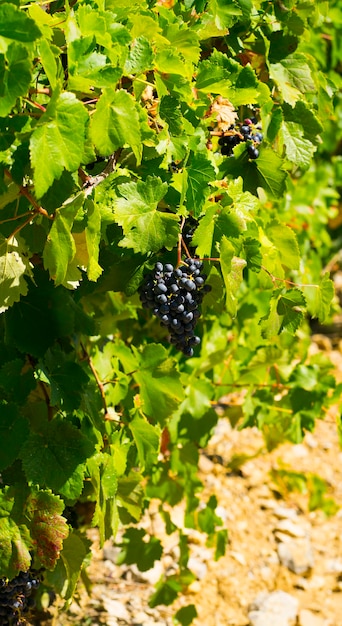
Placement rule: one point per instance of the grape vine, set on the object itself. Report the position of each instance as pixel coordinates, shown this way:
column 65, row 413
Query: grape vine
column 116, row 121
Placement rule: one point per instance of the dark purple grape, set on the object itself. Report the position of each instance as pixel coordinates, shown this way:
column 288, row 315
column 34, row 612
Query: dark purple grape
column 252, row 152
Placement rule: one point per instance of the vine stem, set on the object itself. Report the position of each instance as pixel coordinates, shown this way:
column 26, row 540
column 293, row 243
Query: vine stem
column 37, row 209
column 35, row 104
column 258, row 385
column 90, row 182
column 16, row 217
column 286, row 280
column 99, row 384
column 44, row 390
column 21, row 226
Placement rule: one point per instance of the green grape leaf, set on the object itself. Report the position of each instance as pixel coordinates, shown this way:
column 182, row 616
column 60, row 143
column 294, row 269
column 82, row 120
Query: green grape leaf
column 15, row 75
column 301, row 114
column 14, row 535
column 58, row 141
column 232, row 271
column 146, row 228
column 140, row 58
column 60, row 247
column 115, row 123
column 253, row 254
column 14, row 431
column 246, row 88
column 319, row 298
column 285, row 242
column 166, row 592
column 147, row 438
column 136, row 549
column 293, row 77
column 290, row 308
column 170, row 112
column 103, row 476
column 207, row 519
column 15, row 25
column 167, row 589
column 49, row 312
column 199, row 174
column 185, row 41
column 11, row 190
column 216, row 74
column 160, row 386
column 186, row 614
column 14, row 265
column 16, row 381
column 48, row 528
column 55, row 457
column 93, row 237
column 270, row 323
column 270, row 173
column 75, row 553
column 130, row 495
column 221, row 541
column 204, row 237
column 298, row 149
column 49, row 62
column 67, row 380
column 169, row 61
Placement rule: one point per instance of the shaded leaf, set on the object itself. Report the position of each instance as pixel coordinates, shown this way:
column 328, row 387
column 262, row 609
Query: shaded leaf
column 16, row 25
column 14, row 265
column 290, row 308
column 64, row 578
column 15, row 75
column 55, row 455
column 14, row 431
column 139, row 548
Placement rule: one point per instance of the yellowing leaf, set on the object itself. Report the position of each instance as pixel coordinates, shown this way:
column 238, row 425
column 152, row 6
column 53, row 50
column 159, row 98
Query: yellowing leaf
column 14, row 265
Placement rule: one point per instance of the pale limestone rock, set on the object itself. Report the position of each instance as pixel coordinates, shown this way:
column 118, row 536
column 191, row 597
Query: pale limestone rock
column 277, row 608
column 296, row 555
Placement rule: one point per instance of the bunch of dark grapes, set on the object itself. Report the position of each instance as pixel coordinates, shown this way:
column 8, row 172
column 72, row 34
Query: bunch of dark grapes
column 16, row 599
column 175, row 295
column 248, row 132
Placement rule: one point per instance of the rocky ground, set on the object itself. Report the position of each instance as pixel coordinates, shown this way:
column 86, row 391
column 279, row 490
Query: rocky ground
column 283, row 565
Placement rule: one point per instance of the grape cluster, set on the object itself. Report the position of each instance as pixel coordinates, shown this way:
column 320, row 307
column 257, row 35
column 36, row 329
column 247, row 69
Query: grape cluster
column 174, row 295
column 16, row 599
column 248, row 132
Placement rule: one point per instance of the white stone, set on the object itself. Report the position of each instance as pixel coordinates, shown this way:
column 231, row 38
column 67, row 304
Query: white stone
column 333, row 566
column 277, row 608
column 284, row 512
column 116, row 609
column 289, row 527
column 296, row 555
column 197, row 566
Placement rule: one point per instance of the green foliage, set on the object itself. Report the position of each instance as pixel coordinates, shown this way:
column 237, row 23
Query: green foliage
column 308, row 484
column 110, row 118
